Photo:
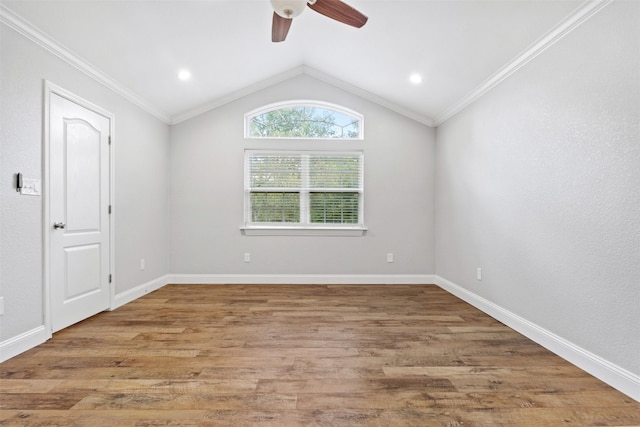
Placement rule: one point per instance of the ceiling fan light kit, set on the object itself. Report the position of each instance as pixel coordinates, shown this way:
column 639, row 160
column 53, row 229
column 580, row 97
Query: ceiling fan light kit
column 289, row 9
column 286, row 10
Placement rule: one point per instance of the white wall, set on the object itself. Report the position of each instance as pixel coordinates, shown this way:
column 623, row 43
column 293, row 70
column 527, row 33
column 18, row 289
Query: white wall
column 207, row 194
column 141, row 181
column 538, row 183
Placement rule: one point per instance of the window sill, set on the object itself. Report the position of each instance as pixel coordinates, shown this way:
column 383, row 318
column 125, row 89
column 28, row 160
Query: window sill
column 303, row 231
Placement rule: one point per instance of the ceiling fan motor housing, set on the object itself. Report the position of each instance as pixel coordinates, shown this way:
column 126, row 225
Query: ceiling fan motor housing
column 289, row 8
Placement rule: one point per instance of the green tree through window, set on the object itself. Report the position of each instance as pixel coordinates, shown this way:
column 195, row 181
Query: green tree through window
column 314, row 187
column 311, row 188
column 304, row 122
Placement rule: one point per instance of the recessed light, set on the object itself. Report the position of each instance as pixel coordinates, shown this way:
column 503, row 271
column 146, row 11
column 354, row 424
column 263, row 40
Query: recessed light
column 415, row 78
column 184, row 74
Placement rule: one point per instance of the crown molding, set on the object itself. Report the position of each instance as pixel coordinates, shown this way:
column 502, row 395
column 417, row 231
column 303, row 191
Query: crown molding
column 241, row 93
column 568, row 24
column 355, row 90
column 572, row 21
column 29, row 31
column 309, row 71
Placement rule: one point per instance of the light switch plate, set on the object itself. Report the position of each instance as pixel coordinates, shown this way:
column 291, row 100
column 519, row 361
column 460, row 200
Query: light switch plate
column 31, row 187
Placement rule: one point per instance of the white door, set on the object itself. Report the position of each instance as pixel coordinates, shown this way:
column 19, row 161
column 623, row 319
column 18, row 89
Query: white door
column 79, row 192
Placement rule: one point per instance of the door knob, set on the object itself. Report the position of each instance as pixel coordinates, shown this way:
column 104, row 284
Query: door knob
column 59, row 225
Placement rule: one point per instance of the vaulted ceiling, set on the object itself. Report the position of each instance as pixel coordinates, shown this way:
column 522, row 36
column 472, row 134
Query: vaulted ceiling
column 460, row 47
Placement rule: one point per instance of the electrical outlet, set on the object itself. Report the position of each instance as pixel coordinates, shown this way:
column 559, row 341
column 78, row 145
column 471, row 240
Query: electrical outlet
column 479, row 273
column 247, row 257
column 389, row 257
column 142, row 264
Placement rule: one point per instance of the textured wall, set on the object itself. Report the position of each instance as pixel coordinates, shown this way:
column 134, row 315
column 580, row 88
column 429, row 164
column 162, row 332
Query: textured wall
column 207, row 194
column 538, row 183
column 141, row 182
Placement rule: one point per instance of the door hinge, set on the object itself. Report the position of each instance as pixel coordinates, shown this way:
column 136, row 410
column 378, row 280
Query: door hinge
column 109, row 139
column 109, row 209
column 110, row 278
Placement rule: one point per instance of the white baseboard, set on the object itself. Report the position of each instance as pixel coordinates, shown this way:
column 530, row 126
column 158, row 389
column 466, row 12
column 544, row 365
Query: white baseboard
column 23, row 342
column 304, row 279
column 617, row 377
column 135, row 293
column 30, row 339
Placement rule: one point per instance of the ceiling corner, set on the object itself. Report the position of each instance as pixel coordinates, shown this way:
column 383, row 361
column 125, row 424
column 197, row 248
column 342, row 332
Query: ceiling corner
column 568, row 24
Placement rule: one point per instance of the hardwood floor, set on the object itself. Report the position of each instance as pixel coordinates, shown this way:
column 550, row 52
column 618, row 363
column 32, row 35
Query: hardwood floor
column 208, row 355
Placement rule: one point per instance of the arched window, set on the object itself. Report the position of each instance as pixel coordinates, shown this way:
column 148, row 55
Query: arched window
column 304, row 189
column 304, row 120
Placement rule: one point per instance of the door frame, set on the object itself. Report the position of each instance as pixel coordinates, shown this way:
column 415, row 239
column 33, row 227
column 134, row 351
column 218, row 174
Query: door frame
column 49, row 89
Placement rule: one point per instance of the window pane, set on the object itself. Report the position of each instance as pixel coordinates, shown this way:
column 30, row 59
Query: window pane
column 274, row 171
column 275, row 207
column 304, row 122
column 335, row 172
column 304, row 188
column 334, row 208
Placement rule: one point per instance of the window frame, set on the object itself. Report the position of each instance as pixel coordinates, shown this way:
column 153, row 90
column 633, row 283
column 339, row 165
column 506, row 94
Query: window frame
column 302, row 103
column 305, row 226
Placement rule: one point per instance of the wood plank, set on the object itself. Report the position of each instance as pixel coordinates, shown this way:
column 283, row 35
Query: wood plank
column 307, row 355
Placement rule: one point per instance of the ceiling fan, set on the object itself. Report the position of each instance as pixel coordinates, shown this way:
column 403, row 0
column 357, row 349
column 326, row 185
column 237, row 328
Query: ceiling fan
column 286, row 10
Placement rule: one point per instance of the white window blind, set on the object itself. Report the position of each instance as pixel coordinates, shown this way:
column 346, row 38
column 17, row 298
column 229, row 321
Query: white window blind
column 304, row 188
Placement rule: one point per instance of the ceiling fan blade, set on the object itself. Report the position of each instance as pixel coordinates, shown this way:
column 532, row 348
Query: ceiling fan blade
column 342, row 12
column 280, row 28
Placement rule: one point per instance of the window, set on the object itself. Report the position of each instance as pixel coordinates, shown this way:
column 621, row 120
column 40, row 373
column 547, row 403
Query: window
column 304, row 120
column 303, row 185
column 317, row 190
